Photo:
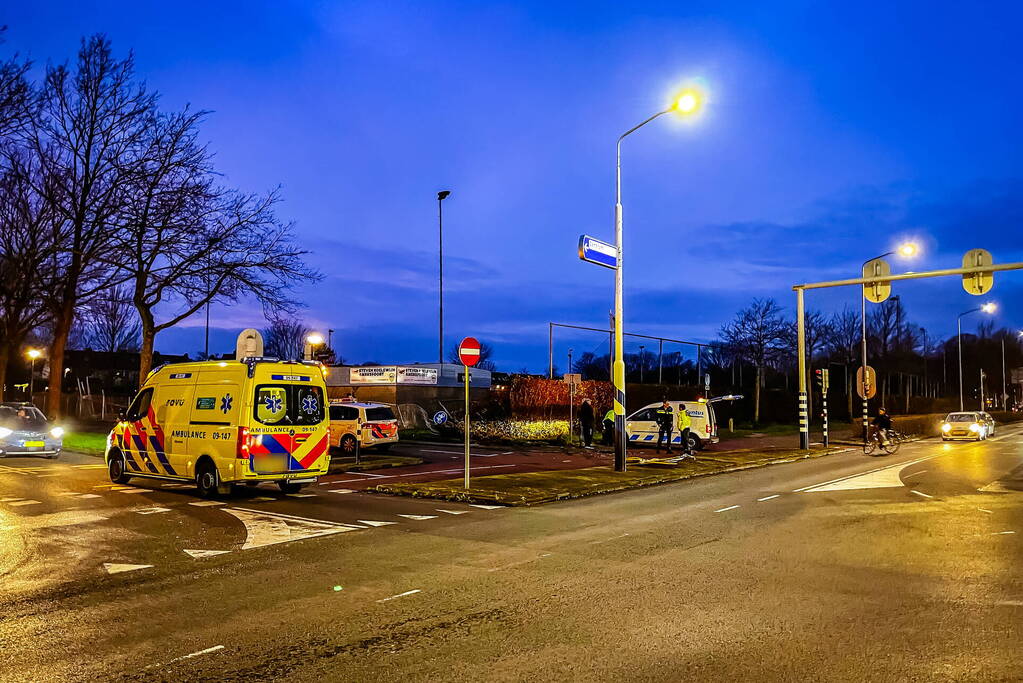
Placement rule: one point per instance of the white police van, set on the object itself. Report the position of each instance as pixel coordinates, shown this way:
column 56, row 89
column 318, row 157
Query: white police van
column 641, row 426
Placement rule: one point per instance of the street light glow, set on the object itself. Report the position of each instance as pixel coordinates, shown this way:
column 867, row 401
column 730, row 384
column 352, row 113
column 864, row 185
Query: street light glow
column 688, row 101
column 34, row 353
column 908, row 250
column 315, row 339
column 989, row 307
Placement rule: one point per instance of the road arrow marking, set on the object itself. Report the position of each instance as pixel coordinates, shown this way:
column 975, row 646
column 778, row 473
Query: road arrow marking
column 371, row 522
column 268, row 528
column 419, row 518
column 205, row 553
column 113, row 568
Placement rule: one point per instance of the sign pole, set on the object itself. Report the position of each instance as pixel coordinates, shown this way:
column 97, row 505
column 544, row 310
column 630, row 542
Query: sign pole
column 804, row 426
column 824, row 405
column 465, row 369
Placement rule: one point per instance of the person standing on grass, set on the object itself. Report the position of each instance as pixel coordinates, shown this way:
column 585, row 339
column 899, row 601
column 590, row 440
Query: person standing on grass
column 609, row 427
column 586, row 418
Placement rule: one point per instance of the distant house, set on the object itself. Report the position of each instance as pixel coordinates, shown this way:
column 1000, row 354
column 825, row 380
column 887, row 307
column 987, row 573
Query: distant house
column 115, row 372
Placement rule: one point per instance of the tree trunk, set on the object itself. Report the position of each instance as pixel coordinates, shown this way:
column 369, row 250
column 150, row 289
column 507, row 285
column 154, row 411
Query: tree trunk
column 5, row 359
column 756, row 399
column 61, row 329
column 148, row 342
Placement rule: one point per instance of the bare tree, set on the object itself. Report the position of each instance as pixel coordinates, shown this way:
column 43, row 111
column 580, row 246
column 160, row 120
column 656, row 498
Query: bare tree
column 87, row 138
column 845, row 343
column 16, row 95
column 759, row 335
column 25, row 221
column 285, row 338
column 110, row 322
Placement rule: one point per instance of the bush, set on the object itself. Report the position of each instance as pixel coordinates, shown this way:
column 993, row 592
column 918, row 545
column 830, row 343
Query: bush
column 548, row 431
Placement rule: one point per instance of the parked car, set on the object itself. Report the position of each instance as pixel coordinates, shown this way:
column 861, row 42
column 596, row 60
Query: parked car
column 973, row 426
column 641, row 426
column 368, row 425
column 24, row 430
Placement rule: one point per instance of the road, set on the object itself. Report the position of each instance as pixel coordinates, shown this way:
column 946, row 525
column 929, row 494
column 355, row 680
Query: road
column 844, row 567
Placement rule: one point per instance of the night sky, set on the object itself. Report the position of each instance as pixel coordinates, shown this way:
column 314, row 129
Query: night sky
column 831, row 132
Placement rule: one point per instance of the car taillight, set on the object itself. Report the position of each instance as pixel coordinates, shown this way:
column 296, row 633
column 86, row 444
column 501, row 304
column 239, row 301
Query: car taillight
column 708, row 428
column 242, row 451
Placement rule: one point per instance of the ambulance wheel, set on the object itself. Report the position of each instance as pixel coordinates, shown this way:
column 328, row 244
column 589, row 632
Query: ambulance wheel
column 288, row 487
column 207, row 479
column 348, row 444
column 115, row 468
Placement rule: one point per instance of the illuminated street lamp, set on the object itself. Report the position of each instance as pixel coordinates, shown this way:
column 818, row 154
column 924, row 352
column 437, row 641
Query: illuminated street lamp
column 988, row 308
column 313, row 340
column 686, row 103
column 32, row 354
column 905, row 250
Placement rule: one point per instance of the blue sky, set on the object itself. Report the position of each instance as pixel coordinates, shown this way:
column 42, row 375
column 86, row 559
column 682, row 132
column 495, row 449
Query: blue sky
column 831, row 132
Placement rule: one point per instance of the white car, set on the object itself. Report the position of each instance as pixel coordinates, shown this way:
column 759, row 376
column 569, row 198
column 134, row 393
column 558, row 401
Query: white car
column 641, row 426
column 968, row 426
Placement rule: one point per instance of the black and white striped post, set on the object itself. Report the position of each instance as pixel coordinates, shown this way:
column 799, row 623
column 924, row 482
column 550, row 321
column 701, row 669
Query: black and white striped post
column 824, row 406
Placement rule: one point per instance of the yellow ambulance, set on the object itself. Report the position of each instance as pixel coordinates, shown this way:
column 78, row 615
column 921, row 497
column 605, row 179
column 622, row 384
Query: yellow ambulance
column 224, row 423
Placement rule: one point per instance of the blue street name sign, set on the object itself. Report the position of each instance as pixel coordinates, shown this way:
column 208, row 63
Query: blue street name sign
column 593, row 250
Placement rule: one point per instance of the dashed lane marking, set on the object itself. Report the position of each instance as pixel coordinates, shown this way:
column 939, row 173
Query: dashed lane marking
column 113, row 568
column 1001, row 533
column 151, row 511
column 761, row 500
column 401, row 595
column 262, row 499
column 89, row 467
column 730, row 507
column 453, row 512
column 341, row 491
column 372, row 522
column 133, row 490
column 19, row 503
column 920, row 494
column 205, row 553
column 419, row 518
column 986, row 510
column 300, row 495
column 9, row 500
column 206, row 503
column 486, row 507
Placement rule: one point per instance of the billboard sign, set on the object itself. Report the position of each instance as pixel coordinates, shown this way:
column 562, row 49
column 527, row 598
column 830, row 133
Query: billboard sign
column 417, row 375
column 382, row 374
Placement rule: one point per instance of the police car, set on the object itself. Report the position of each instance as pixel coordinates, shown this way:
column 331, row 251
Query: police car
column 641, row 426
column 366, row 425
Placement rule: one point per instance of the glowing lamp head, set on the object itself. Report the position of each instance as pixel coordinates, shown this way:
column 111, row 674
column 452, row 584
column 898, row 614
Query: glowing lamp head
column 908, row 250
column 34, row 353
column 315, row 339
column 989, row 307
column 687, row 102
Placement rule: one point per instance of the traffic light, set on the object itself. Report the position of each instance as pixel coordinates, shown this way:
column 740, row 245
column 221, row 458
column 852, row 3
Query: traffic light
column 818, row 377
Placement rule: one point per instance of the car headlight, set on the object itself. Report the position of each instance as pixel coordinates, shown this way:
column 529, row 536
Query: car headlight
column 57, row 432
column 5, row 432
column 946, row 427
column 975, row 427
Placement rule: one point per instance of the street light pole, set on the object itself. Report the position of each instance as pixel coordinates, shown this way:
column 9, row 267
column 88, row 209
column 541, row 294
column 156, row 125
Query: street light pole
column 441, row 196
column 642, row 362
column 986, row 308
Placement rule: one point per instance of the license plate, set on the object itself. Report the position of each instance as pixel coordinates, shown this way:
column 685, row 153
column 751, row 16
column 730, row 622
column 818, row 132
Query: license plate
column 34, row 444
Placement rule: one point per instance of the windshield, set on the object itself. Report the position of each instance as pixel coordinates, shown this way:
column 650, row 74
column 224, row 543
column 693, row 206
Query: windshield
column 378, row 414
column 961, row 417
column 22, row 417
column 289, row 404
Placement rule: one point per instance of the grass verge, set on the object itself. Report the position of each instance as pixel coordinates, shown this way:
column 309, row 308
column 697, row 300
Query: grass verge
column 533, row 488
column 89, row 443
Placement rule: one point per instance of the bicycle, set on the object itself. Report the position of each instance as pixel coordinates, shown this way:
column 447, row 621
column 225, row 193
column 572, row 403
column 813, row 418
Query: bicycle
column 894, row 439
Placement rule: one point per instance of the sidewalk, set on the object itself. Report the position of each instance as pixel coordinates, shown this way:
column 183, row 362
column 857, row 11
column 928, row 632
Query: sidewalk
column 532, row 488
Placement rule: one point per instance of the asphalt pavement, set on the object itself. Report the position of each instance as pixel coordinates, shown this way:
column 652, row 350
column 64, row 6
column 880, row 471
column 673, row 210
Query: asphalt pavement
column 843, row 567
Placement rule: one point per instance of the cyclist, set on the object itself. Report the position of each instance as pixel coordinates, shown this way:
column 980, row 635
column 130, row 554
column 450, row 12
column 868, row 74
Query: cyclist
column 880, row 425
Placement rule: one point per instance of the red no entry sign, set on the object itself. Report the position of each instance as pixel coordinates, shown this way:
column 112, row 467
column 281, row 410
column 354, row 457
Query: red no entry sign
column 469, row 351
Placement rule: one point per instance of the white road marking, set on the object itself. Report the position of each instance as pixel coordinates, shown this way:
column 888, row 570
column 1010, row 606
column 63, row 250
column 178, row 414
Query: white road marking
column 920, row 494
column 371, row 522
column 151, row 511
column 262, row 499
column 401, row 595
column 986, row 510
column 1001, row 533
column 179, row 486
column 419, row 518
column 486, row 507
column 88, row 495
column 57, row 519
column 89, row 467
column 133, row 490
column 208, row 650
column 300, row 495
column 761, row 500
column 9, row 500
column 341, row 491
column 453, row 512
column 862, row 474
column 915, row 473
column 730, row 507
column 113, row 568
column 19, row 503
column 207, row 503
column 205, row 553
column 268, row 528
column 349, row 481
column 996, row 487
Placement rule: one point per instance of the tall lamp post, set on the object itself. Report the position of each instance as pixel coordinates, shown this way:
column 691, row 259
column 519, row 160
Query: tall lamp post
column 688, row 102
column 32, row 354
column 907, row 250
column 441, row 196
column 986, row 308
column 312, row 341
